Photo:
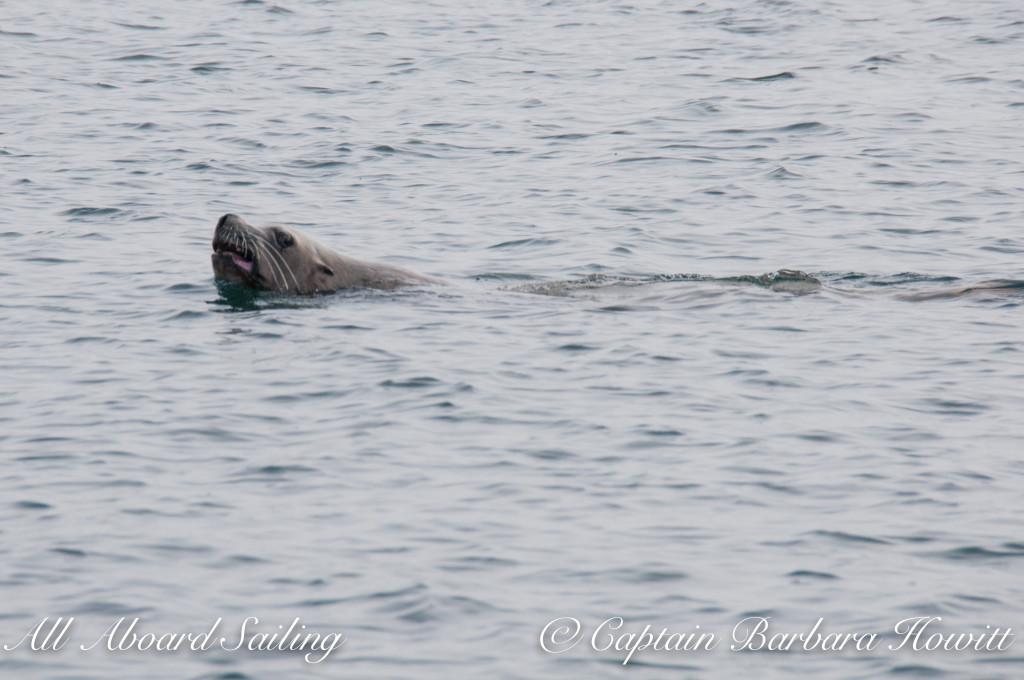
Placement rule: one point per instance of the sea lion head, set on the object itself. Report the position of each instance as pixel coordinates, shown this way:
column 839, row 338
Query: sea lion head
column 273, row 258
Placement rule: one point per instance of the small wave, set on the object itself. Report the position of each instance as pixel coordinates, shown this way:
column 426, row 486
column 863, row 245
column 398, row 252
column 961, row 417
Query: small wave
column 568, row 136
column 32, row 505
column 90, row 338
column 809, row 126
column 785, row 75
column 636, row 210
column 313, row 165
column 183, row 287
column 140, row 57
column 821, row 575
column 879, row 59
column 211, row 67
column 140, row 27
column 950, row 407
column 749, row 28
column 276, row 470
column 475, row 563
column 642, row 159
column 417, row 382
column 49, row 260
column 974, row 552
column 849, row 538
column 319, row 89
column 800, row 127
column 524, row 242
column 917, row 671
column 499, row 276
column 242, row 141
column 649, row 575
column 782, row 173
column 969, row 79
column 91, row 212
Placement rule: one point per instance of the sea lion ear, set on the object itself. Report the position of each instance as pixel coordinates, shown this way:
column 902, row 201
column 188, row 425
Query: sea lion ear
column 326, row 270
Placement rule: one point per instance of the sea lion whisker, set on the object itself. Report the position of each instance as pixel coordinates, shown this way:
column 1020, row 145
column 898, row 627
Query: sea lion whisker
column 280, row 258
column 272, row 259
column 241, row 242
column 265, row 242
column 245, row 246
column 282, row 264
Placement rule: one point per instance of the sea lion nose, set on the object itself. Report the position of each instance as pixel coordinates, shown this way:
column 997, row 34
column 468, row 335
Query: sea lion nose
column 228, row 220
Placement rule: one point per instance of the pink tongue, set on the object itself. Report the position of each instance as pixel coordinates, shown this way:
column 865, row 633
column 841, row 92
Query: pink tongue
column 247, row 266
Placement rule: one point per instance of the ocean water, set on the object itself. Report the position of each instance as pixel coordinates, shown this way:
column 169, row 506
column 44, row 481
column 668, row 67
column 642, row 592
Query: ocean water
column 605, row 419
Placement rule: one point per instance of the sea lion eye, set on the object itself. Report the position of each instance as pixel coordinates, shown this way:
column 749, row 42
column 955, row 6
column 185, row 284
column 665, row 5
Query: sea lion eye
column 284, row 240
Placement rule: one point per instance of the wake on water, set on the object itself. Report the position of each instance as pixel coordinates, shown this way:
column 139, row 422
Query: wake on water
column 790, row 281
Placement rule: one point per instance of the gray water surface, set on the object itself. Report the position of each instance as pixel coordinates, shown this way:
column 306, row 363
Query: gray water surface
column 438, row 473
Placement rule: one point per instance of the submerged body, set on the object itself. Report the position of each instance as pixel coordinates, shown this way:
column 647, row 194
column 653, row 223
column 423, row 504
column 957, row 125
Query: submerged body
column 284, row 260
column 998, row 287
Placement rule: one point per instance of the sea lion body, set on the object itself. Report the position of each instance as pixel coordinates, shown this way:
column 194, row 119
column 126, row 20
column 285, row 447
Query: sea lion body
column 285, row 260
column 999, row 287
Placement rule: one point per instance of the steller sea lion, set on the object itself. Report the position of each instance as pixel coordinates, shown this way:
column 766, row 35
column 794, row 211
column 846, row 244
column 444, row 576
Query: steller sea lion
column 284, row 260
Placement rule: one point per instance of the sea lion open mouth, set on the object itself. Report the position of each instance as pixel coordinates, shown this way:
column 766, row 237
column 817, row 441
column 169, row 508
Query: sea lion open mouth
column 236, row 255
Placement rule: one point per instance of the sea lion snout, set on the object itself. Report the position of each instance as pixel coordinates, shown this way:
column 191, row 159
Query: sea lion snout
column 228, row 220
column 235, row 251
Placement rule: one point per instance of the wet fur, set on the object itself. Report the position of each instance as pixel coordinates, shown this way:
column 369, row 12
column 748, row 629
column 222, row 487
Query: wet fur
column 287, row 261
